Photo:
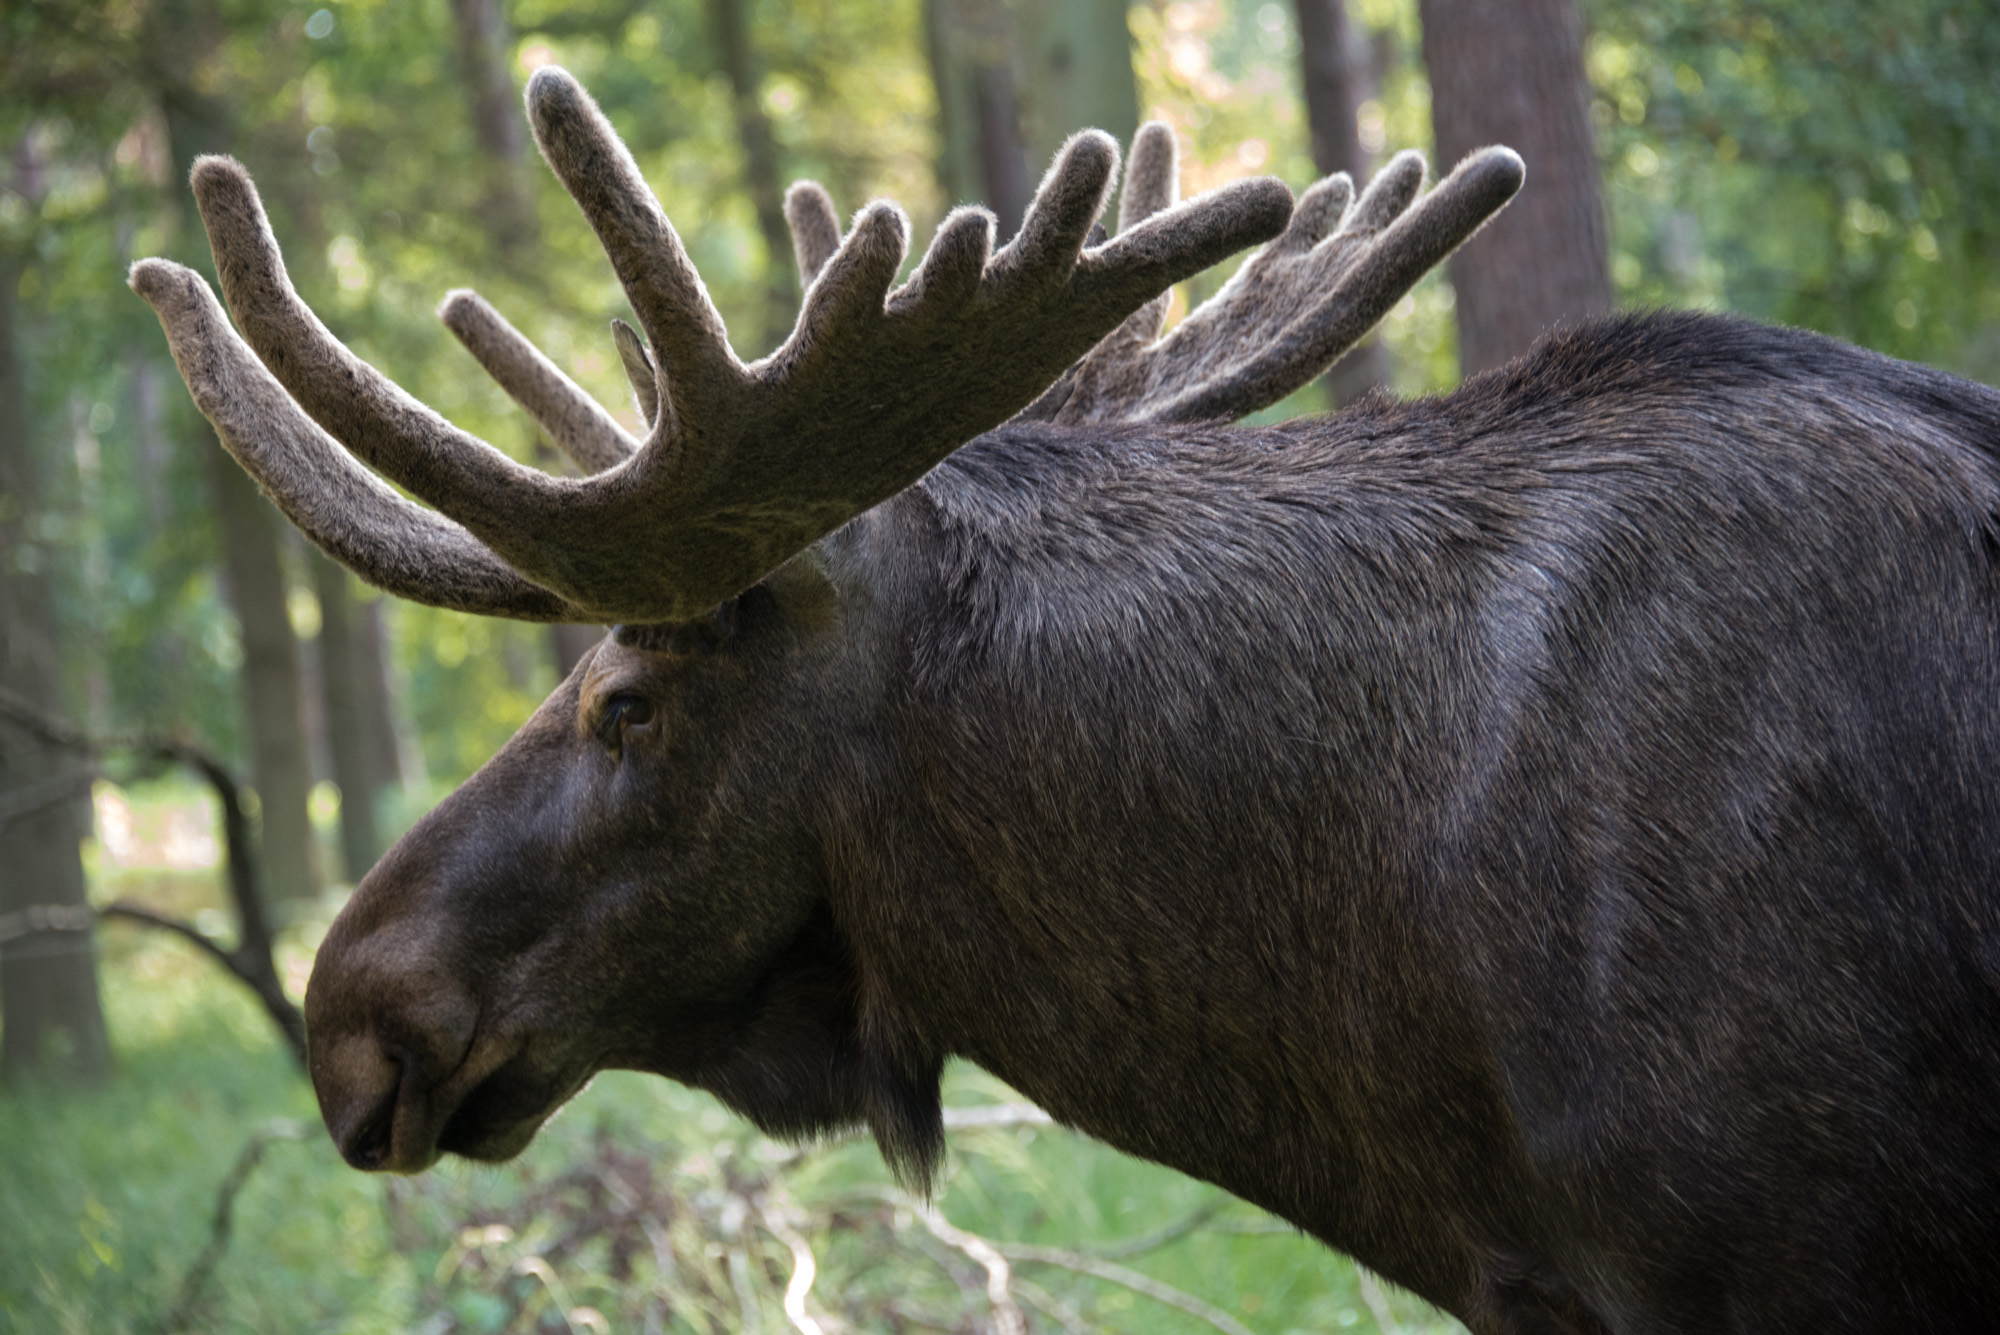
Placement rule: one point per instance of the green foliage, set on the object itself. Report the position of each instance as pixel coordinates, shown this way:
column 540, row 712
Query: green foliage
column 473, row 680
column 128, row 546
column 1823, row 164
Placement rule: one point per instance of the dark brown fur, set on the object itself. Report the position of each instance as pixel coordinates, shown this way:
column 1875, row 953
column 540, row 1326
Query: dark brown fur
column 1539, row 840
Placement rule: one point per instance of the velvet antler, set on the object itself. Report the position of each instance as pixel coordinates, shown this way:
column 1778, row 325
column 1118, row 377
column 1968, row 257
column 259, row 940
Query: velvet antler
column 744, row 465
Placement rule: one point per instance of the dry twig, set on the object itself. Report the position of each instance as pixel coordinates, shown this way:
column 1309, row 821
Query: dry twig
column 1007, row 1319
column 1157, row 1290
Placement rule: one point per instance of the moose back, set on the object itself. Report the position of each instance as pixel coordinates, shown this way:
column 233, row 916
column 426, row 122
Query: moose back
column 1541, row 840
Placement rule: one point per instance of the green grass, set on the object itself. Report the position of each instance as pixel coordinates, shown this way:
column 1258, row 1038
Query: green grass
column 107, row 1197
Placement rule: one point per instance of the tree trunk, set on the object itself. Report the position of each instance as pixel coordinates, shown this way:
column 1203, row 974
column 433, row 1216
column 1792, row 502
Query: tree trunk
column 1337, row 79
column 199, row 122
column 348, row 735
column 1074, row 59
column 395, row 748
column 1014, row 80
column 272, row 698
column 496, row 120
column 982, row 158
column 1511, row 72
column 1075, row 70
column 495, row 108
column 48, row 969
column 730, row 32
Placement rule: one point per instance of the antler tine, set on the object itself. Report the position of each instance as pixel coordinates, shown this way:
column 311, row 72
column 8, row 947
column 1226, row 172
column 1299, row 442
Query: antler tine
column 950, row 270
column 1152, row 175
column 1295, row 306
column 666, row 292
column 745, row 466
column 1152, row 184
column 1138, row 265
column 1058, row 220
column 850, row 288
column 1044, row 287
column 575, row 421
column 354, row 518
column 1387, row 195
column 1277, row 285
column 815, row 228
column 639, row 369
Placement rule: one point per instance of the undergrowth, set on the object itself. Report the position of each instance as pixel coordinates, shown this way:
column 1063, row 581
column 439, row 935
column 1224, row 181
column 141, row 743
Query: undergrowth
column 643, row 1207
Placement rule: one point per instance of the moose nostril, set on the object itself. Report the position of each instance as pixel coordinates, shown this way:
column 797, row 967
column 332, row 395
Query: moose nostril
column 361, row 1082
column 368, row 1148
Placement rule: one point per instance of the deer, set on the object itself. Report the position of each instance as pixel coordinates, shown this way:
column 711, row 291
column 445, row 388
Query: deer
column 1538, row 839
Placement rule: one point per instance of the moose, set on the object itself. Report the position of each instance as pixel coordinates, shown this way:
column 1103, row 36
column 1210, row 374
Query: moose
column 1542, row 840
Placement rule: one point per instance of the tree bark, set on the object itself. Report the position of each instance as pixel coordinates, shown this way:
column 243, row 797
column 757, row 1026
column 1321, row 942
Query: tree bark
column 52, row 1020
column 982, row 158
column 1335, row 73
column 730, row 32
column 1014, row 81
column 252, row 959
column 1511, row 72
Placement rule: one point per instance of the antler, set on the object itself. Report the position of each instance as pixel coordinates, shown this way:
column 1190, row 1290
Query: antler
column 743, row 465
column 1293, row 307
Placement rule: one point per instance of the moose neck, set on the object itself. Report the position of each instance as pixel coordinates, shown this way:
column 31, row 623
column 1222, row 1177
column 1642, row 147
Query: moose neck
column 1150, row 781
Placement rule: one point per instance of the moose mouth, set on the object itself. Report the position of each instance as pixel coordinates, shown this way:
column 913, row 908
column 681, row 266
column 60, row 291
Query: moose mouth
column 501, row 1115
column 414, row 1122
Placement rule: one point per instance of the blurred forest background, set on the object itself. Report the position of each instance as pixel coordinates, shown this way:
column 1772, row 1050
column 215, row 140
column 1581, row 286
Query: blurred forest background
column 208, row 732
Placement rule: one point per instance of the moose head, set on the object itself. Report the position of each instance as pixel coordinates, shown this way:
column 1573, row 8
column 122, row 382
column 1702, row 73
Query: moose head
column 642, row 877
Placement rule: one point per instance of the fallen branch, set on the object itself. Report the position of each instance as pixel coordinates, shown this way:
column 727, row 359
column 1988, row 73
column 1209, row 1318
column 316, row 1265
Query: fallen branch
column 804, row 1269
column 252, row 967
column 1051, row 1306
column 712, row 1240
column 199, row 1273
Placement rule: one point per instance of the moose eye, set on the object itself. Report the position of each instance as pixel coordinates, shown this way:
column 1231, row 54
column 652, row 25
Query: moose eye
column 627, row 709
